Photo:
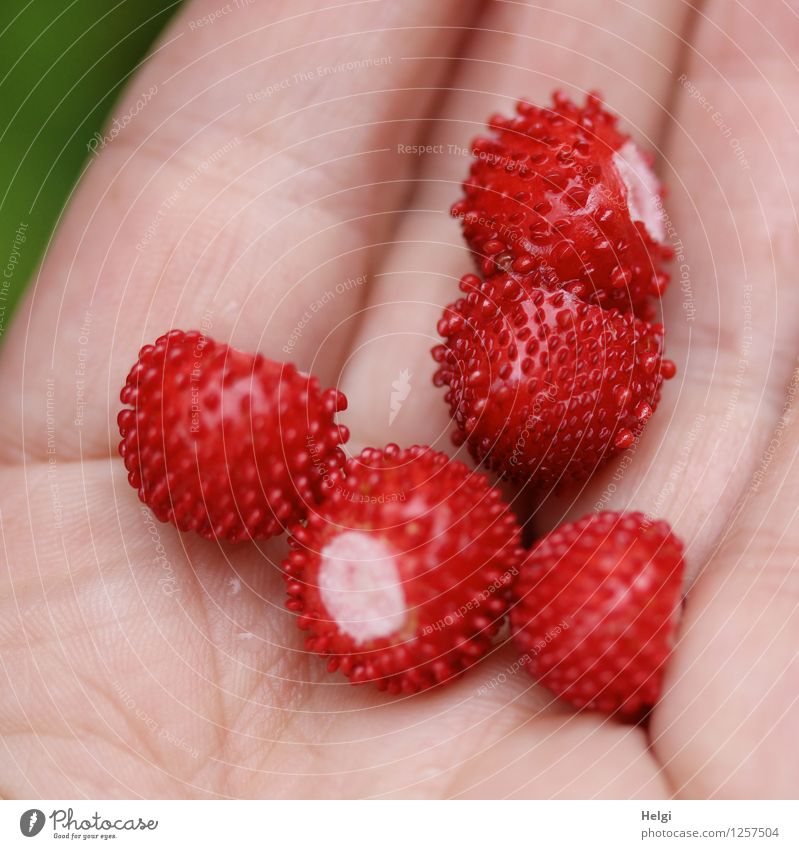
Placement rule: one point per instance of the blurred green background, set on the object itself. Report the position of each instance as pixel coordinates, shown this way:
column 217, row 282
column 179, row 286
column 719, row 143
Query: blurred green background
column 64, row 62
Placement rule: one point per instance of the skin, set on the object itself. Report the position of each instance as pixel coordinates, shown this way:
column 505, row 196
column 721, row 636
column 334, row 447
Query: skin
column 128, row 675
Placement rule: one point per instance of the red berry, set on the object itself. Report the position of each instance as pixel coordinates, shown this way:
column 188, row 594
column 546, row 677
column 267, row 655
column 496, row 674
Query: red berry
column 401, row 576
column 543, row 385
column 227, row 444
column 563, row 194
column 595, row 611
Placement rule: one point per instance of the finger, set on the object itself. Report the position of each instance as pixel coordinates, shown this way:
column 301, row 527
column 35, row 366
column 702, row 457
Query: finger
column 728, row 715
column 245, row 187
column 516, row 50
column 728, row 722
column 578, row 757
column 731, row 313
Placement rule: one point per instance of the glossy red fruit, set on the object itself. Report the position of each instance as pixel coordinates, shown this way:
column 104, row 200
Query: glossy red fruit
column 595, row 609
column 227, row 444
column 542, row 385
column 562, row 194
column 401, row 576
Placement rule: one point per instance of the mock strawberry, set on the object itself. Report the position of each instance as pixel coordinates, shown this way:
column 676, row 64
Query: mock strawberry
column 562, row 194
column 227, row 444
column 401, row 576
column 595, row 610
column 542, row 385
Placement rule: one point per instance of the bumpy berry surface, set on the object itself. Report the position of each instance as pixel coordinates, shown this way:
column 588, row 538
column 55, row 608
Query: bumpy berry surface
column 227, row 444
column 595, row 611
column 562, row 194
column 401, row 576
column 542, row 385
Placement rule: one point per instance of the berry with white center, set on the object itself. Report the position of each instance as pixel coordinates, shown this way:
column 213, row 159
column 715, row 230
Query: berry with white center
column 595, row 610
column 401, row 576
column 562, row 194
column 542, row 385
column 229, row 445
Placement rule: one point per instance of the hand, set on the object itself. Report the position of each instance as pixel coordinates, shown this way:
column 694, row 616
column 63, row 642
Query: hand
column 267, row 190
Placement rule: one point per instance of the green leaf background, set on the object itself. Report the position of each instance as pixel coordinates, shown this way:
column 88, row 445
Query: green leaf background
column 64, row 63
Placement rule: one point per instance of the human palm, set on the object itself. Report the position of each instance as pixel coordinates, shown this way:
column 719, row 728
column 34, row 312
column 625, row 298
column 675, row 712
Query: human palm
column 269, row 192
